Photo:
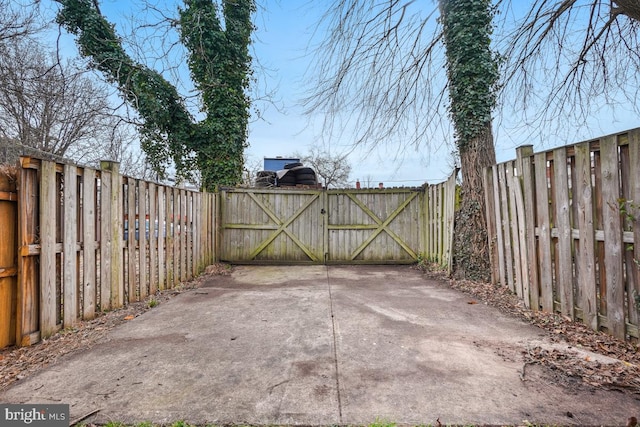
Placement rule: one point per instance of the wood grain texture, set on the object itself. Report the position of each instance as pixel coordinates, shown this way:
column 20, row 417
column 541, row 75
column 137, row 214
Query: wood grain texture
column 89, row 243
column 583, row 198
column 564, row 261
column 613, row 237
column 70, row 239
column 48, row 272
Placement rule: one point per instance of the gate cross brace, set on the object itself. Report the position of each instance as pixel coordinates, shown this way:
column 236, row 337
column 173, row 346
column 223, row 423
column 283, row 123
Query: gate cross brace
column 382, row 226
column 282, row 227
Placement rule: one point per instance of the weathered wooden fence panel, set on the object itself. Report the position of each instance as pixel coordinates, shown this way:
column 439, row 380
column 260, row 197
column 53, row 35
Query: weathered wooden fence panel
column 99, row 240
column 571, row 246
column 374, row 225
column 8, row 261
column 396, row 225
column 93, row 240
column 263, row 225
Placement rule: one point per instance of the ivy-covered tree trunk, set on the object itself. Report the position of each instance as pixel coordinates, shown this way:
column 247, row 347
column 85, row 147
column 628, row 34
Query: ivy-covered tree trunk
column 219, row 62
column 473, row 72
column 471, row 245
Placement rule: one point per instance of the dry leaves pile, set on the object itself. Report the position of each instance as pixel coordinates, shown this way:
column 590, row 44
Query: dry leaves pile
column 18, row 363
column 623, row 375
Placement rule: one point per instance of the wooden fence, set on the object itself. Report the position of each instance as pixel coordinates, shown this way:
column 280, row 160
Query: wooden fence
column 76, row 241
column 563, row 225
column 91, row 240
column 338, row 226
column 441, row 205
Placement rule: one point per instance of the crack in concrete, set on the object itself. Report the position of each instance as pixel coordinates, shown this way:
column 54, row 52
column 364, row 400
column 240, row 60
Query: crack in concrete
column 335, row 346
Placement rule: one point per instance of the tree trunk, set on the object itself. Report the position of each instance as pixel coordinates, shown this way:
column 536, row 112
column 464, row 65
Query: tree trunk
column 631, row 8
column 471, row 248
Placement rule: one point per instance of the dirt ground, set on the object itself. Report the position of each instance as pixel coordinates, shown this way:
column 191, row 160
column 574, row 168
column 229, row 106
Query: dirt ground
column 567, row 355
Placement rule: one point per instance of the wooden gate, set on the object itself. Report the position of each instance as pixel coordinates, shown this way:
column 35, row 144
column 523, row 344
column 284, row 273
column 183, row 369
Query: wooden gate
column 318, row 226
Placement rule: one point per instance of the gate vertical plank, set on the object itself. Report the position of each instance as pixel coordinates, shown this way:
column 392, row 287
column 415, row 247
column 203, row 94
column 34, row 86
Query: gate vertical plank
column 28, row 305
column 106, row 239
column 586, row 255
column 132, row 277
column 613, row 237
column 143, row 229
column 89, row 243
column 153, row 239
column 48, row 199
column 563, row 226
column 70, row 239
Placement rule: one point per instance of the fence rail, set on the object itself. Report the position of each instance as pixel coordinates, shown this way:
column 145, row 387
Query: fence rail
column 564, row 224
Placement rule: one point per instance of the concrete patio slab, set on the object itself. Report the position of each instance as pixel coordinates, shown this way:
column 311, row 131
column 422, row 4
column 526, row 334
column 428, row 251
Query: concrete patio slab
column 319, row 345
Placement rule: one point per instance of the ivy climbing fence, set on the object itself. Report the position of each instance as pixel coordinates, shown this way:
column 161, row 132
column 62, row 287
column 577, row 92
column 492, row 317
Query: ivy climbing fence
column 563, row 227
column 93, row 240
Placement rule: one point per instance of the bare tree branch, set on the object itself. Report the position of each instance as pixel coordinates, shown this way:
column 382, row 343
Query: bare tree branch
column 570, row 58
column 378, row 72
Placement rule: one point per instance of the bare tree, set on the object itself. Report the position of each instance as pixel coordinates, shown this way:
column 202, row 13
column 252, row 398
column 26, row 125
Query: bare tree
column 332, row 169
column 569, row 58
column 379, row 72
column 17, row 19
column 51, row 107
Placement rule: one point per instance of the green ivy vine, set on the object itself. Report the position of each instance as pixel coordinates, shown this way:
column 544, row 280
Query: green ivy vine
column 219, row 63
column 472, row 67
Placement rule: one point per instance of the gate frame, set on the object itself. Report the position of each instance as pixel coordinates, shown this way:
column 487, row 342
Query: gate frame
column 280, row 225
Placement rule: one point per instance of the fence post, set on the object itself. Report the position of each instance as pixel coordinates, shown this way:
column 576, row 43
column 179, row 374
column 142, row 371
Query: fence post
column 28, row 305
column 115, row 225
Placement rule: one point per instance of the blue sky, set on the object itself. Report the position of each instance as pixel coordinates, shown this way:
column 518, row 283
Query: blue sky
column 284, row 31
